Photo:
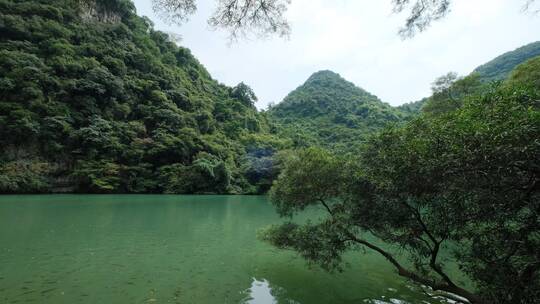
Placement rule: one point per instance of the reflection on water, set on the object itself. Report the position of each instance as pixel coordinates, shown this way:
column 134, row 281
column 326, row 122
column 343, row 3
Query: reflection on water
column 263, row 292
column 169, row 249
column 390, row 301
column 260, row 293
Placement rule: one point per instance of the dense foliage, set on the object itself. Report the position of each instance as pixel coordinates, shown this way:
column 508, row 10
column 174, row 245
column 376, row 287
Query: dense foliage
column 468, row 179
column 500, row 67
column 449, row 92
column 331, row 112
column 93, row 99
column 413, row 107
column 527, row 73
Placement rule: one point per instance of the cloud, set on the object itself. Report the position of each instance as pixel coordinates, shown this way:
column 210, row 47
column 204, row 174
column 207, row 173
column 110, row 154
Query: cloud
column 358, row 39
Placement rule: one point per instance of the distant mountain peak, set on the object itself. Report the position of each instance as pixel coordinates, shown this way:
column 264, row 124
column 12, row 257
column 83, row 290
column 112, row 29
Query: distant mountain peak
column 327, row 80
column 327, row 77
column 333, row 111
column 324, row 73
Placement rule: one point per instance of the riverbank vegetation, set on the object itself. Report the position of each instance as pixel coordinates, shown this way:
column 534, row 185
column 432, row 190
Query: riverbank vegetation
column 93, row 99
column 467, row 175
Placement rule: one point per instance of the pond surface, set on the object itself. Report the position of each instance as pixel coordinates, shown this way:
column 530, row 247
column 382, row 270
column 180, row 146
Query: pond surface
column 169, row 249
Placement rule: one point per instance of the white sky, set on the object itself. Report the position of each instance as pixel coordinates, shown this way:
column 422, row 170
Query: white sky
column 357, row 39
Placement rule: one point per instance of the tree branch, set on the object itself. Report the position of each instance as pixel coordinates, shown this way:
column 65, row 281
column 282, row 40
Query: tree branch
column 326, row 206
column 402, row 271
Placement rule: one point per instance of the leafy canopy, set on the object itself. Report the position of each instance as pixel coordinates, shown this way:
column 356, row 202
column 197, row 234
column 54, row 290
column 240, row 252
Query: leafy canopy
column 93, row 99
column 466, row 182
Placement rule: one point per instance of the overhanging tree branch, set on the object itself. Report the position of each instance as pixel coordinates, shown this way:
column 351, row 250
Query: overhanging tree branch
column 404, row 272
column 447, row 286
column 267, row 17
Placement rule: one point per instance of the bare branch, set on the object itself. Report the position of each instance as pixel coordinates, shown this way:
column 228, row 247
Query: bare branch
column 266, row 17
column 422, row 14
column 174, row 11
column 260, row 17
column 528, row 7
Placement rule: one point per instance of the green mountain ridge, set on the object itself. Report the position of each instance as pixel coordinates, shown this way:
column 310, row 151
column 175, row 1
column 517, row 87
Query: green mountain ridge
column 497, row 69
column 329, row 111
column 500, row 67
column 335, row 87
column 332, row 112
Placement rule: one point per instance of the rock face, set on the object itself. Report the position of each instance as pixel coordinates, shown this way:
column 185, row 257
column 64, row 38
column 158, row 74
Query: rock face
column 95, row 11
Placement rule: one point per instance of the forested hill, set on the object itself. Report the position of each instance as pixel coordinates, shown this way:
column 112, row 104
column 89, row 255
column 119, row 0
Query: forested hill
column 497, row 69
column 93, row 99
column 500, row 67
column 329, row 111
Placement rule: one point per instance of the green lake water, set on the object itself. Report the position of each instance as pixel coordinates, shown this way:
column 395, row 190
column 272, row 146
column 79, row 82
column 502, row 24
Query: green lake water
column 169, row 249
